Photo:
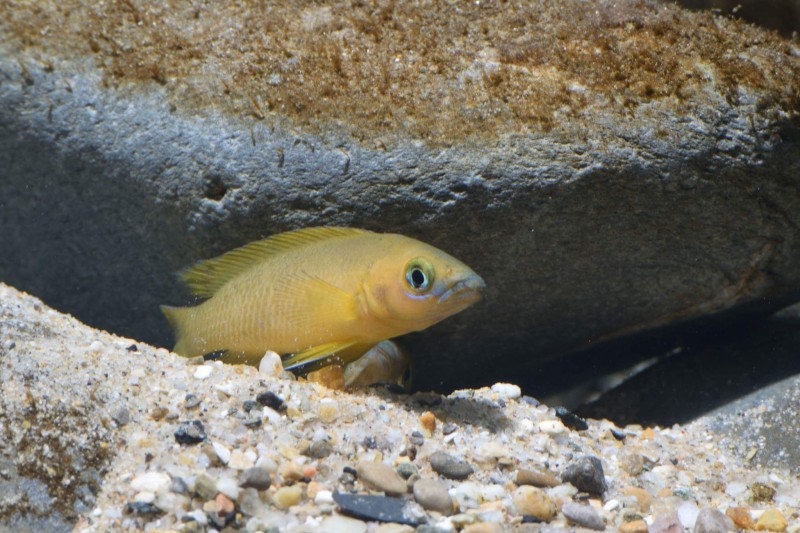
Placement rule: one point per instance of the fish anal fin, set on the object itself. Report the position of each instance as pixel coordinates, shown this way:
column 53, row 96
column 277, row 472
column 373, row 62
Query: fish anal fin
column 315, row 354
column 206, row 277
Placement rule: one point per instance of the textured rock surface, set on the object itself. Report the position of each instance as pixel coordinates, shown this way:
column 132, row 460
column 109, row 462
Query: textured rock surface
column 100, row 477
column 608, row 170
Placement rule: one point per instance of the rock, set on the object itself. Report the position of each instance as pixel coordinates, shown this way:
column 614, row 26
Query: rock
column 583, row 515
column 635, row 526
column 257, row 478
column 376, row 508
column 741, row 517
column 191, row 432
column 428, row 421
column 142, row 509
column 205, row 487
column 713, row 521
column 406, row 470
column 319, row 449
column 270, row 364
column 762, row 492
column 666, row 523
column 121, row 416
column 771, row 520
column 531, row 501
column 271, row 400
column 570, row 419
column 450, row 467
column 378, row 476
column 643, row 498
column 586, row 474
column 342, row 524
column 537, row 174
column 151, row 481
column 432, row 495
column 536, row 477
column 286, row 497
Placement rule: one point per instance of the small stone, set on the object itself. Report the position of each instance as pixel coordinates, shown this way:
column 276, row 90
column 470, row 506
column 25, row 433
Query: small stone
column 635, row 526
column 570, row 419
column 506, row 391
column 151, row 482
column 406, row 470
column 270, row 364
column 552, row 427
column 632, row 463
column 203, row 372
column 191, row 401
column 417, row 439
column 224, row 504
column 331, row 377
column 428, row 421
column 713, row 521
column 179, row 486
column 537, row 478
column 121, row 416
column 377, row 508
column 741, row 517
column 205, row 487
column 762, row 492
column 257, row 478
column 319, row 449
column 586, row 474
column 617, row 434
column 449, row 428
column 378, row 476
column 132, row 348
column 191, row 432
column 142, row 509
column 240, row 460
column 643, row 498
column 450, row 467
column 228, row 486
column 252, row 423
column 323, row 497
column 532, row 501
column 271, row 400
column 432, row 495
column 687, row 514
column 342, row 524
column 328, row 411
column 249, row 502
column 771, row 520
column 286, row 497
column 583, row 515
column 666, row 523
column 223, row 453
column 96, row 347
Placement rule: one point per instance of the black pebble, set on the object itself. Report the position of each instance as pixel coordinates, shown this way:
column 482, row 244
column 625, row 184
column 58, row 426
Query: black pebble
column 377, row 508
column 142, row 509
column 417, row 439
column 586, row 474
column 619, row 435
column 350, row 470
column 252, row 423
column 191, row 432
column 570, row 419
column 249, row 405
column 132, row 348
column 530, row 519
column 271, row 400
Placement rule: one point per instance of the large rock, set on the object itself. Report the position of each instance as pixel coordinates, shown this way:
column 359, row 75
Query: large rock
column 609, row 168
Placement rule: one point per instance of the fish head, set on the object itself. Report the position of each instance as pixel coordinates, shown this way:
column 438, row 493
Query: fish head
column 417, row 285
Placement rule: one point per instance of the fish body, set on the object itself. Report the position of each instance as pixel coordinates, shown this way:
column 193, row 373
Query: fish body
column 318, row 292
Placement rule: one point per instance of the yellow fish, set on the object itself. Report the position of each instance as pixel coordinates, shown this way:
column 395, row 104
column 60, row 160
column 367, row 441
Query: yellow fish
column 317, row 293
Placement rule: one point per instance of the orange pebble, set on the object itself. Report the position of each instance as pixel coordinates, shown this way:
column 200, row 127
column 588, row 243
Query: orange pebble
column 741, row 517
column 428, row 421
column 224, row 504
column 309, row 471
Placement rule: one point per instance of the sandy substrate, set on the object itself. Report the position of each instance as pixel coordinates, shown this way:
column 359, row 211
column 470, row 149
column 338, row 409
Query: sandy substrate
column 168, row 445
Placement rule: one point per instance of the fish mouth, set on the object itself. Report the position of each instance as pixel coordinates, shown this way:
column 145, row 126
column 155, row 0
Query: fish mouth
column 465, row 291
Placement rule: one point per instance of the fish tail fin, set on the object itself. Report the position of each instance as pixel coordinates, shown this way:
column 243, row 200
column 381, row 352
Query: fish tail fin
column 178, row 318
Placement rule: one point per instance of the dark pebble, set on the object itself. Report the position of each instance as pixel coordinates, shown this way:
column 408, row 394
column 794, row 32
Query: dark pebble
column 530, row 519
column 347, row 479
column 122, row 417
column 142, row 509
column 191, row 432
column 370, row 443
column 271, row 400
column 571, row 420
column 618, row 434
column 762, row 492
column 132, row 348
column 252, row 423
column 417, row 439
column 191, row 401
column 249, row 405
column 449, row 466
column 255, row 478
column 530, row 400
column 406, row 470
column 586, row 474
column 449, row 428
column 377, row 508
column 350, row 470
column 319, row 449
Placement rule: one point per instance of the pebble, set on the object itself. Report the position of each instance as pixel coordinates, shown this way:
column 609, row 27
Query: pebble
column 151, row 482
column 634, row 526
column 377, row 508
column 432, row 495
column 583, row 515
column 449, row 428
column 328, row 410
column 191, row 401
column 741, row 517
column 205, row 487
column 342, row 524
column 121, row 416
column 380, row 477
column 586, row 474
column 271, row 400
column 762, row 492
column 319, row 449
column 203, row 372
column 271, row 364
column 323, row 497
column 571, row 420
column 229, row 487
column 256, row 477
column 191, row 432
column 643, row 498
column 394, row 528
column 666, row 523
column 223, row 453
column 507, row 391
column 450, row 467
column 249, row 502
column 428, row 421
column 537, row 478
column 240, row 460
column 286, row 497
column 406, row 470
column 224, row 504
column 532, row 501
column 552, row 427
column 712, row 521
column 142, row 509
column 687, row 514
column 771, row 520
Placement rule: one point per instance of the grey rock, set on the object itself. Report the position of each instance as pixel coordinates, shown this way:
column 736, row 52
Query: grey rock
column 449, row 466
column 406, row 470
column 378, row 476
column 377, row 508
column 586, row 474
column 256, row 477
column 600, row 186
column 666, row 523
column 121, row 416
column 583, row 515
column 190, row 432
column 713, row 521
column 432, row 495
column 205, row 487
column 319, row 449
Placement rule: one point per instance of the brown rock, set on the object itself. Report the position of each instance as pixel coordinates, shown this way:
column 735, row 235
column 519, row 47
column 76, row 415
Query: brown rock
column 771, row 520
column 531, row 501
column 428, row 422
column 378, row 476
column 537, row 477
column 741, row 517
column 637, row 526
column 643, row 498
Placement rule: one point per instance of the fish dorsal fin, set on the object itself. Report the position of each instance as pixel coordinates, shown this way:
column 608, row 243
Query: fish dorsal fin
column 206, row 277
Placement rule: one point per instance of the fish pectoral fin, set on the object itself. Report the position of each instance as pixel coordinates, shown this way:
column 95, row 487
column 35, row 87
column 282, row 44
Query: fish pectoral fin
column 314, row 354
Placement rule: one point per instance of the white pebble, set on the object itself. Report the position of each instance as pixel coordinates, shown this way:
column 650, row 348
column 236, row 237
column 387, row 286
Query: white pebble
column 687, row 514
column 151, row 482
column 96, row 347
column 229, row 487
column 226, row 388
column 552, row 427
column 271, row 364
column 324, row 497
column 145, row 496
column 507, row 391
column 222, row 452
column 198, row 516
column 610, row 505
column 342, row 524
column 203, row 372
column 491, row 493
column 735, row 488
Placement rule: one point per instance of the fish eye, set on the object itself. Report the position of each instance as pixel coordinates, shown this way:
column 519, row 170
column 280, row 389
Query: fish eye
column 419, row 275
